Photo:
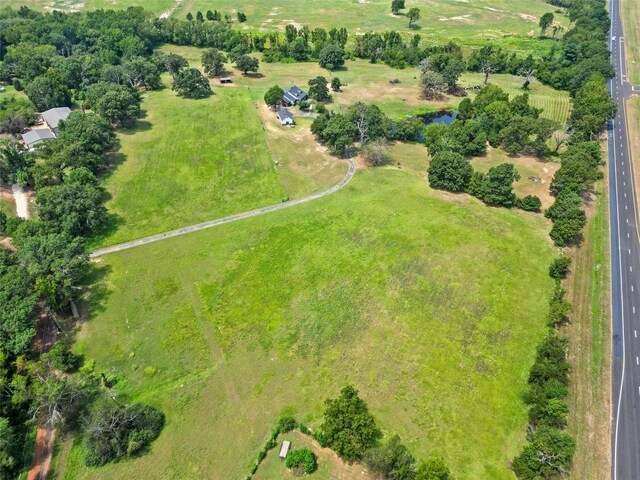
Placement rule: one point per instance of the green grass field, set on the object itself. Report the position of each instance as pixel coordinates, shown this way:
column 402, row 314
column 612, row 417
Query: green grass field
column 631, row 23
column 156, row 6
column 511, row 23
column 441, row 19
column 189, row 161
column 430, row 303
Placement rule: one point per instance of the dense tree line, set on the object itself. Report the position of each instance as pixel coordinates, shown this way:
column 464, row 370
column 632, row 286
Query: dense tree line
column 101, row 61
column 549, row 450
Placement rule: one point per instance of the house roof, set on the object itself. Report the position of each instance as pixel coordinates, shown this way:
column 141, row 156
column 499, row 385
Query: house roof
column 34, row 137
column 293, row 94
column 283, row 114
column 54, row 115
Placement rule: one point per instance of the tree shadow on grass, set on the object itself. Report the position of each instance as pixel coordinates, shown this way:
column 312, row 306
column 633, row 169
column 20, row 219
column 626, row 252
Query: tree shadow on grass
column 253, row 75
column 95, row 296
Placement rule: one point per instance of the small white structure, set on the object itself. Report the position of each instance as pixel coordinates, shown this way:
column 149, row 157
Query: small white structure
column 284, row 449
column 285, row 117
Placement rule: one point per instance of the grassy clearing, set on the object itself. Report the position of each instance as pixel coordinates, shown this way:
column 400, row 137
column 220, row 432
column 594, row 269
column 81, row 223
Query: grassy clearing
column 589, row 348
column 535, row 174
column 306, row 167
column 512, row 23
column 631, row 23
column 189, row 161
column 442, row 19
column 329, row 464
column 415, row 159
column 431, row 307
column 369, row 83
column 156, row 6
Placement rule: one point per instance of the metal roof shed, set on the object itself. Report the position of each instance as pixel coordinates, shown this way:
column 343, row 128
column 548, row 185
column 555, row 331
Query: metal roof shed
column 284, row 449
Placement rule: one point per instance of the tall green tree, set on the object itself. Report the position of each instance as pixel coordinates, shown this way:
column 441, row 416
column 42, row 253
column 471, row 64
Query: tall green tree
column 318, row 89
column 545, row 22
column 273, row 97
column 396, row 6
column 18, row 300
column 191, row 83
column 55, row 262
column 247, row 63
column 433, row 469
column 74, row 207
column 391, row 461
column 413, row 15
column 331, row 56
column 213, row 62
column 497, row 188
column 548, row 455
column 48, row 91
column 449, row 171
column 348, row 428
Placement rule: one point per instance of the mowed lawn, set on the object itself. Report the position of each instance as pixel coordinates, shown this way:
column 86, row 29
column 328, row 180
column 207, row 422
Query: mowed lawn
column 370, row 83
column 431, row 304
column 188, row 161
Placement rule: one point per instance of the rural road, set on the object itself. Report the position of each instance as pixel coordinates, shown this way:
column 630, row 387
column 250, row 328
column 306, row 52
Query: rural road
column 232, row 218
column 625, row 272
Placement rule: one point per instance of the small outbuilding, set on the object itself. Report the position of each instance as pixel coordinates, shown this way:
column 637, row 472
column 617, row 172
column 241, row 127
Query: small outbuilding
column 284, row 449
column 226, row 80
column 54, row 116
column 285, row 117
column 292, row 96
column 35, row 137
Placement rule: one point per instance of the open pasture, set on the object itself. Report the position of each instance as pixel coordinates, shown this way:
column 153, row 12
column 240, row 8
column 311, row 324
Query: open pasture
column 188, row 161
column 513, row 24
column 440, row 19
column 431, row 304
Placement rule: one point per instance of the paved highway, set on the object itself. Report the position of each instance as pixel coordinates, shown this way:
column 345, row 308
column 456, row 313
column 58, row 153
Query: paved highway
column 232, row 218
column 625, row 272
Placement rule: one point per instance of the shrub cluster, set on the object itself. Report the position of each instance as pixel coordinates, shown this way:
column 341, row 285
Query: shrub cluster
column 302, row 460
column 115, row 431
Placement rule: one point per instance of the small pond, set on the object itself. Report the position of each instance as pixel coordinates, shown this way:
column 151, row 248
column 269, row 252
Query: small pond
column 443, row 116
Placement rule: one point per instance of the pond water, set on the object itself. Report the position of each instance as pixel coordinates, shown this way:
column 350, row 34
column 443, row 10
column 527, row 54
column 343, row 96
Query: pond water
column 444, row 117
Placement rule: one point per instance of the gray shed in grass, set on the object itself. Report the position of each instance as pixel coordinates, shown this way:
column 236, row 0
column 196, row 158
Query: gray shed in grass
column 284, row 449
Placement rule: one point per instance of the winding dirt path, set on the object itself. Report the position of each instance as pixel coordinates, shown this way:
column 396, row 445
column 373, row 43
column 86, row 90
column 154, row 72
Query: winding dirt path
column 169, row 12
column 232, row 218
column 46, row 334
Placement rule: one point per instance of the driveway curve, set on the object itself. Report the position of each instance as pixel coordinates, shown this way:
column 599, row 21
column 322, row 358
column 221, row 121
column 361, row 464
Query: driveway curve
column 232, row 218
